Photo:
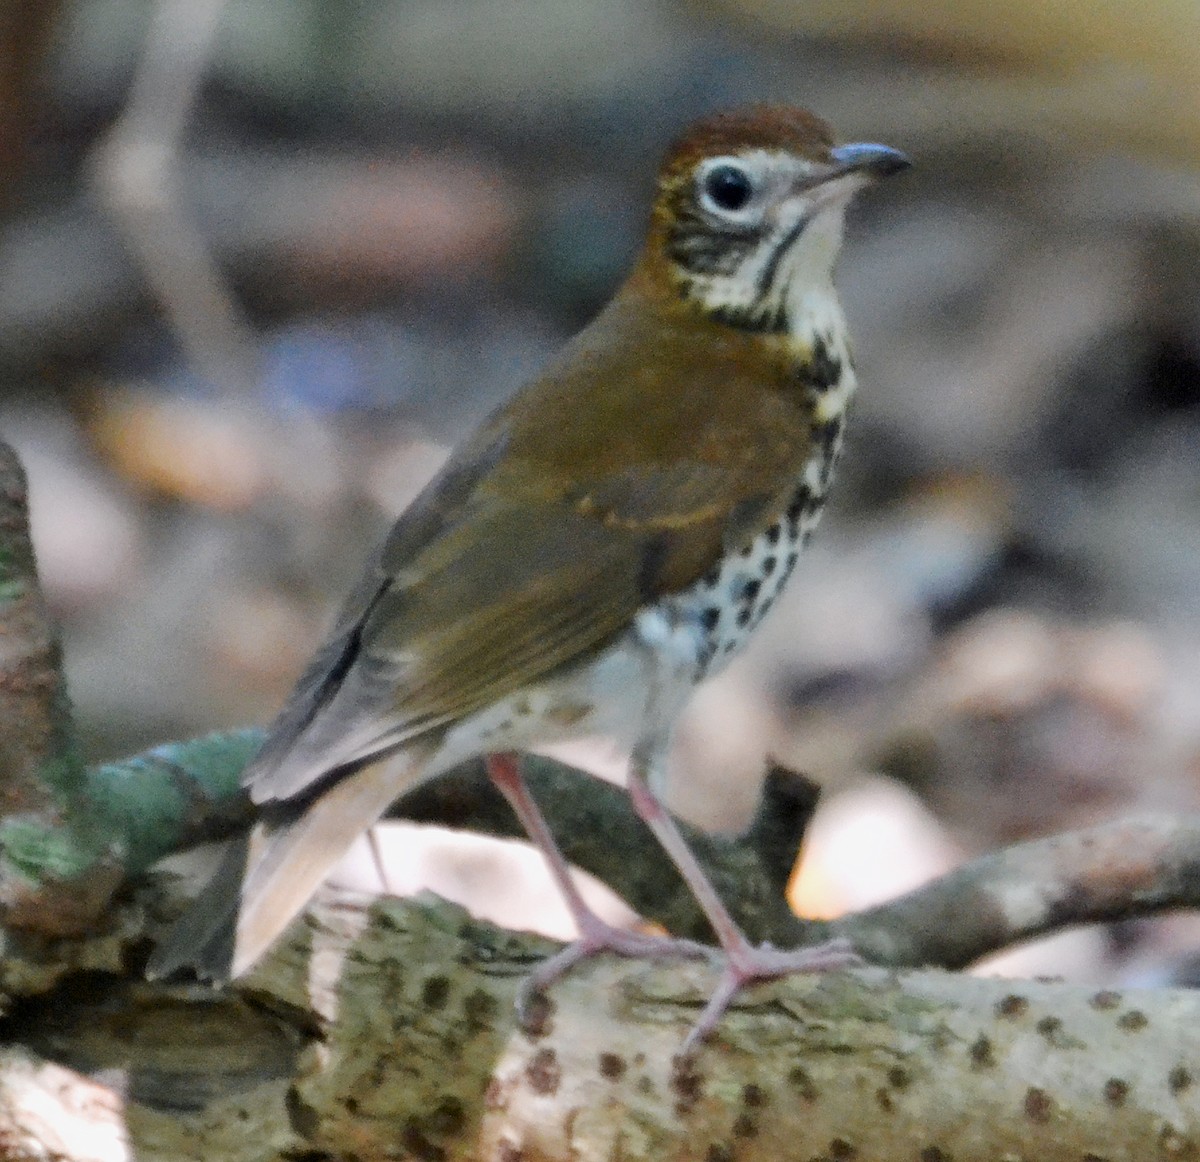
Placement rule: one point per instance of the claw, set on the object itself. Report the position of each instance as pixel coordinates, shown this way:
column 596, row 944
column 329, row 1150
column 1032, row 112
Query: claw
column 765, row 963
column 597, row 937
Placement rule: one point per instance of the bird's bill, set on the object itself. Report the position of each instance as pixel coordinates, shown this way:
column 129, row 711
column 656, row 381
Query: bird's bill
column 868, row 159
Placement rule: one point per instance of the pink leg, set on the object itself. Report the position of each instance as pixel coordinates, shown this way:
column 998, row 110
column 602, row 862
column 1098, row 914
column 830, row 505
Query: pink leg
column 595, row 936
column 745, row 962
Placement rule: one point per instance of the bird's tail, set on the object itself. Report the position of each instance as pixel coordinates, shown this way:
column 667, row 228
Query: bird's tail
column 267, row 877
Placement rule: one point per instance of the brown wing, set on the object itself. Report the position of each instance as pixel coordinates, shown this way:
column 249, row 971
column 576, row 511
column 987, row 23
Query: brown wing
column 582, row 500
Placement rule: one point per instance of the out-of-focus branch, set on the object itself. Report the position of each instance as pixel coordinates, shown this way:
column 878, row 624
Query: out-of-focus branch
column 137, row 175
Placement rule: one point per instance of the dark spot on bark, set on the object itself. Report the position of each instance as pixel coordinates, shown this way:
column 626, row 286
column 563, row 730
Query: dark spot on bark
column 1012, row 1006
column 480, row 1009
column 302, row 1117
column 899, row 1077
column 538, row 1014
column 1172, row 1144
column 448, row 1118
column 1179, row 1079
column 351, row 1104
column 1105, row 999
column 1116, row 1091
column 841, row 1151
column 612, row 1066
column 799, row 1079
column 687, row 1083
column 1133, row 1021
column 435, row 992
column 420, row 1146
column 745, row 1126
column 982, row 1056
column 935, row 1154
column 544, row 1072
column 1038, row 1105
column 753, row 1096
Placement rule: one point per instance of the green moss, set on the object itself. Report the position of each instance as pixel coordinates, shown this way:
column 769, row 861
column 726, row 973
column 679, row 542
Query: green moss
column 40, row 851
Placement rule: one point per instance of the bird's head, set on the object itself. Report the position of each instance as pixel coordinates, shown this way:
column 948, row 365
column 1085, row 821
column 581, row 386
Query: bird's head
column 747, row 220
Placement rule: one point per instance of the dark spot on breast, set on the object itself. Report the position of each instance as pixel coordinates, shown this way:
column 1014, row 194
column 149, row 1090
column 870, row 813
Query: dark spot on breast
column 544, row 1072
column 744, row 1126
column 842, row 1151
column 822, row 370
column 934, row 1154
column 743, row 618
column 772, row 534
column 710, row 618
column 1105, row 999
column 1179, row 1079
column 750, row 589
column 798, row 504
column 1133, row 1021
column 768, row 566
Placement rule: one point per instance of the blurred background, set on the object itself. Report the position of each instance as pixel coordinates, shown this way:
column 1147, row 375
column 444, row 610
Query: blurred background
column 262, row 262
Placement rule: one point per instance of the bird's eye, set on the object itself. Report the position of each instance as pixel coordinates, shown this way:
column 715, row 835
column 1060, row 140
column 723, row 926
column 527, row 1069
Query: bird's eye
column 727, row 187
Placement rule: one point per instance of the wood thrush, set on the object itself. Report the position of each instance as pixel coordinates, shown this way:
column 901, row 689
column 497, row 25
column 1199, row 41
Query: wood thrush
column 606, row 540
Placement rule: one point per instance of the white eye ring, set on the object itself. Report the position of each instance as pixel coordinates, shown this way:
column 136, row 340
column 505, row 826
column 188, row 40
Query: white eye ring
column 726, row 188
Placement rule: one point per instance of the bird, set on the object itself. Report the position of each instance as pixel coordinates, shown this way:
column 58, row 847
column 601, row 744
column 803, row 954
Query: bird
column 606, row 540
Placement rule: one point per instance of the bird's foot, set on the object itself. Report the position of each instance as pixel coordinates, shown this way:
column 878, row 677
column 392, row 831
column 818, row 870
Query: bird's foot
column 748, row 964
column 596, row 937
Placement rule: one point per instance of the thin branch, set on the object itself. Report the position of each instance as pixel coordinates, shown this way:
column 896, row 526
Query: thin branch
column 1113, row 871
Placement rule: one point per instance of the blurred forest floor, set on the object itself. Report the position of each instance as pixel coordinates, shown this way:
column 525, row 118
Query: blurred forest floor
column 996, row 633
